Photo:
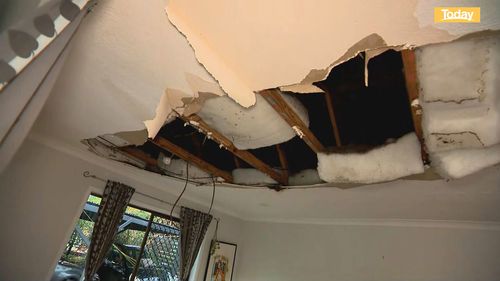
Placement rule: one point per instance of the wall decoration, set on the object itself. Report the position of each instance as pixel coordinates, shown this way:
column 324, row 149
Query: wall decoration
column 220, row 261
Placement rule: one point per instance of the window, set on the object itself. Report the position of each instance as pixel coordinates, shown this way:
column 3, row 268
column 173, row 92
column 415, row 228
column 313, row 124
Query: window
column 158, row 259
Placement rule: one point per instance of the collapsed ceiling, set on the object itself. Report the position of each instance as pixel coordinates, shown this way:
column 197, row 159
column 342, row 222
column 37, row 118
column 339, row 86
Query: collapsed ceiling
column 350, row 132
column 136, row 71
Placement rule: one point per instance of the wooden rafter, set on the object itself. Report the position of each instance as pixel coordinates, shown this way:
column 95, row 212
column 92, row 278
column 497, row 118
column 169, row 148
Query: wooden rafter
column 283, row 160
column 141, row 155
column 237, row 163
column 191, row 158
column 225, row 143
column 274, row 98
column 333, row 120
column 410, row 71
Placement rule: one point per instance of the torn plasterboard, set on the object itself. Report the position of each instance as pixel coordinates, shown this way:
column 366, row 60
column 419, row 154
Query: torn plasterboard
column 133, row 137
column 461, row 162
column 253, row 127
column 262, row 49
column 169, row 101
column 121, row 139
column 385, row 163
column 460, row 93
column 103, row 150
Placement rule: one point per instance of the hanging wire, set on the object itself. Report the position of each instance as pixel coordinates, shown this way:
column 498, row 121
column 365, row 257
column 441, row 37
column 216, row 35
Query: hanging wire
column 213, row 195
column 183, row 190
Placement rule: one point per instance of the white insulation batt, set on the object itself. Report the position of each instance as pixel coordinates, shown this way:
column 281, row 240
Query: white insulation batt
column 384, row 163
column 460, row 93
column 460, row 98
column 305, row 177
column 461, row 162
column 250, row 176
column 253, row 127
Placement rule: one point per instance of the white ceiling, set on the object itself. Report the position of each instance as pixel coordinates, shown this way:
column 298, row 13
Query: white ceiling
column 475, row 197
column 472, row 198
column 126, row 55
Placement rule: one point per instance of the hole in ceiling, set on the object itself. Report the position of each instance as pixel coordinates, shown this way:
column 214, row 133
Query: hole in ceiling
column 365, row 116
column 370, row 115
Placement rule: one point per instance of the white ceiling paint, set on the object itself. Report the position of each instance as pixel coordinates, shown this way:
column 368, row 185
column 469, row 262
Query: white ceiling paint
column 472, row 198
column 276, row 43
column 130, row 66
column 125, row 56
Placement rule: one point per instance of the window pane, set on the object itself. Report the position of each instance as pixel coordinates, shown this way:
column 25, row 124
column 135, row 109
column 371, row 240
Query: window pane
column 160, row 259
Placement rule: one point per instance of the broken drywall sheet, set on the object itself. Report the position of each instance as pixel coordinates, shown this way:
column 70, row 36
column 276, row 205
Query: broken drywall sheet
column 458, row 163
column 385, row 163
column 174, row 102
column 215, row 64
column 460, row 93
column 170, row 100
column 109, row 152
column 251, row 177
column 133, row 137
column 262, row 49
column 193, row 105
column 253, row 127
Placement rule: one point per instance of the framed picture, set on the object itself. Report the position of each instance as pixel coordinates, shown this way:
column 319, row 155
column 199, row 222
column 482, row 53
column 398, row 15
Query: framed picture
column 220, row 261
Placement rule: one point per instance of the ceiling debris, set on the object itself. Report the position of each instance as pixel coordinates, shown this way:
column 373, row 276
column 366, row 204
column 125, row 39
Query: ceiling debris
column 370, row 116
column 133, row 137
column 457, row 163
column 460, row 98
column 385, row 163
column 252, row 127
column 104, row 149
column 365, row 133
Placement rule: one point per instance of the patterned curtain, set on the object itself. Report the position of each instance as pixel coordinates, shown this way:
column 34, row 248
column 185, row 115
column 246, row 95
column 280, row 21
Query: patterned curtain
column 194, row 225
column 113, row 204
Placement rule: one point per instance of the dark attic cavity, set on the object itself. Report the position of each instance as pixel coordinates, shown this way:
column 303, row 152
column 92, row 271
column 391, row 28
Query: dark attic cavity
column 370, row 115
column 365, row 117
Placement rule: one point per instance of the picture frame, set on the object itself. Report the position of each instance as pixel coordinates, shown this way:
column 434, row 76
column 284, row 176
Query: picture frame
column 220, row 263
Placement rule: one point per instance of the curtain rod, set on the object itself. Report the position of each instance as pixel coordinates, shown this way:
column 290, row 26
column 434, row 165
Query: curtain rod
column 87, row 174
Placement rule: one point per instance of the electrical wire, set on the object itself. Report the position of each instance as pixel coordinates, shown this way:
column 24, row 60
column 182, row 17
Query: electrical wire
column 183, row 190
column 213, row 195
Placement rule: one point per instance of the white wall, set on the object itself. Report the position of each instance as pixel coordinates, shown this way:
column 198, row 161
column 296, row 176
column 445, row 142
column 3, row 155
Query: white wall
column 42, row 193
column 454, row 251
